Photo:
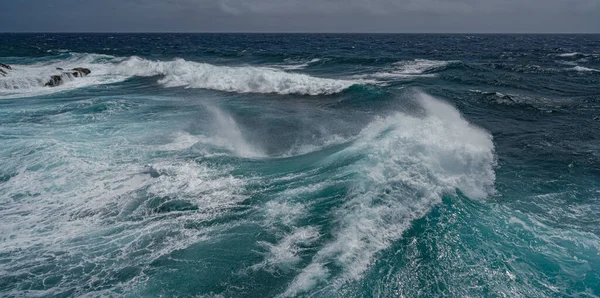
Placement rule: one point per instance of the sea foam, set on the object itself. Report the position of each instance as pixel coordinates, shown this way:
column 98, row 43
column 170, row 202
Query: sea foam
column 242, row 79
column 408, row 163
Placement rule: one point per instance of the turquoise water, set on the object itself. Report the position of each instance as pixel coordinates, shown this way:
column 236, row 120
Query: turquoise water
column 232, row 165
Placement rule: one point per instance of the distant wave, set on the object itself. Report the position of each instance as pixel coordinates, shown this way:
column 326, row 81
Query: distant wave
column 243, row 79
column 585, row 69
column 412, row 68
column 29, row 80
column 573, row 54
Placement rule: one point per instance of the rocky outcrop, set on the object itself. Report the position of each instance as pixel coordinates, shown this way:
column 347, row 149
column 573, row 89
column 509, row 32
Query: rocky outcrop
column 80, row 71
column 2, row 71
column 55, row 80
column 58, row 80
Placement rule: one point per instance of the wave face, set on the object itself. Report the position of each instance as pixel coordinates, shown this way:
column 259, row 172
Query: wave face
column 276, row 165
column 405, row 164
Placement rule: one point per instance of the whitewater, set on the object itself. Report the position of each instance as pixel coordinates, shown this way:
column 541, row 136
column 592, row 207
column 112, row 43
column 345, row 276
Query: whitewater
column 192, row 165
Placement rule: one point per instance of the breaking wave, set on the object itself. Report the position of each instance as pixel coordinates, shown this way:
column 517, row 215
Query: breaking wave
column 243, row 79
column 29, row 80
column 407, row 164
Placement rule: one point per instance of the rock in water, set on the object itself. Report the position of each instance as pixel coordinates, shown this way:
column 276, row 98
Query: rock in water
column 57, row 80
column 81, row 72
column 54, row 81
column 2, row 71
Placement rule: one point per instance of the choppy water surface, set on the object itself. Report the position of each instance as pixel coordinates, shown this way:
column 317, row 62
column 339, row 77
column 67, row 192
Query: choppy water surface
column 300, row 165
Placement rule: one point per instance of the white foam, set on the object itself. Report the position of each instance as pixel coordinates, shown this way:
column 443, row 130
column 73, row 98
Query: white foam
column 408, row 163
column 92, row 199
column 584, row 69
column 285, row 253
column 568, row 54
column 29, row 80
column 410, row 69
column 298, row 66
column 247, row 79
column 283, row 212
column 310, row 277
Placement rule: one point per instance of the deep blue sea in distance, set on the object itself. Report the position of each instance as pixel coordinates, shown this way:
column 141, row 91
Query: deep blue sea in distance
column 300, row 165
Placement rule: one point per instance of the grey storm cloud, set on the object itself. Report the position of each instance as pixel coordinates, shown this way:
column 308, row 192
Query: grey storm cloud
column 302, row 15
column 388, row 7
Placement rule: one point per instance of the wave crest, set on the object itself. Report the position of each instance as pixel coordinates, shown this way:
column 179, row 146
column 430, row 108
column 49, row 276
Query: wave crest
column 246, row 79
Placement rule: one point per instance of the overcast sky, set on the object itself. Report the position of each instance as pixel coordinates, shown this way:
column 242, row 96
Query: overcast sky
column 412, row 16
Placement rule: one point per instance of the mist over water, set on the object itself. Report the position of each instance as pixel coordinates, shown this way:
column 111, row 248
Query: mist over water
column 300, row 165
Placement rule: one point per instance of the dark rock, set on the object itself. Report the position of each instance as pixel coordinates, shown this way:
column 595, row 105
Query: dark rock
column 58, row 68
column 80, row 71
column 2, row 72
column 5, row 66
column 57, row 80
column 54, row 81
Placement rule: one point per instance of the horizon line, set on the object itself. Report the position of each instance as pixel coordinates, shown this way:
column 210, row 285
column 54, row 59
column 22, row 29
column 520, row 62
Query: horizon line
column 294, row 32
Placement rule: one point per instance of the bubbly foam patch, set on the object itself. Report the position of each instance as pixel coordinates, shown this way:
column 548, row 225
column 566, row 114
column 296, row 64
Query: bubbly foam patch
column 285, row 253
column 407, row 164
column 81, row 205
column 29, row 80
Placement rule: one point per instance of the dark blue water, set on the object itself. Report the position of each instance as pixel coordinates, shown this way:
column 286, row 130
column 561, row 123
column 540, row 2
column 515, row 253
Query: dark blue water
column 246, row 165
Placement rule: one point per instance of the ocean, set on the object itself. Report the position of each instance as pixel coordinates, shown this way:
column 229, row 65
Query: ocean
column 300, row 165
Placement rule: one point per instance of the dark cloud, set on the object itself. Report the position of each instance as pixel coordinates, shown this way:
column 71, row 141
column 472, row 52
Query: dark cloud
column 302, row 15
